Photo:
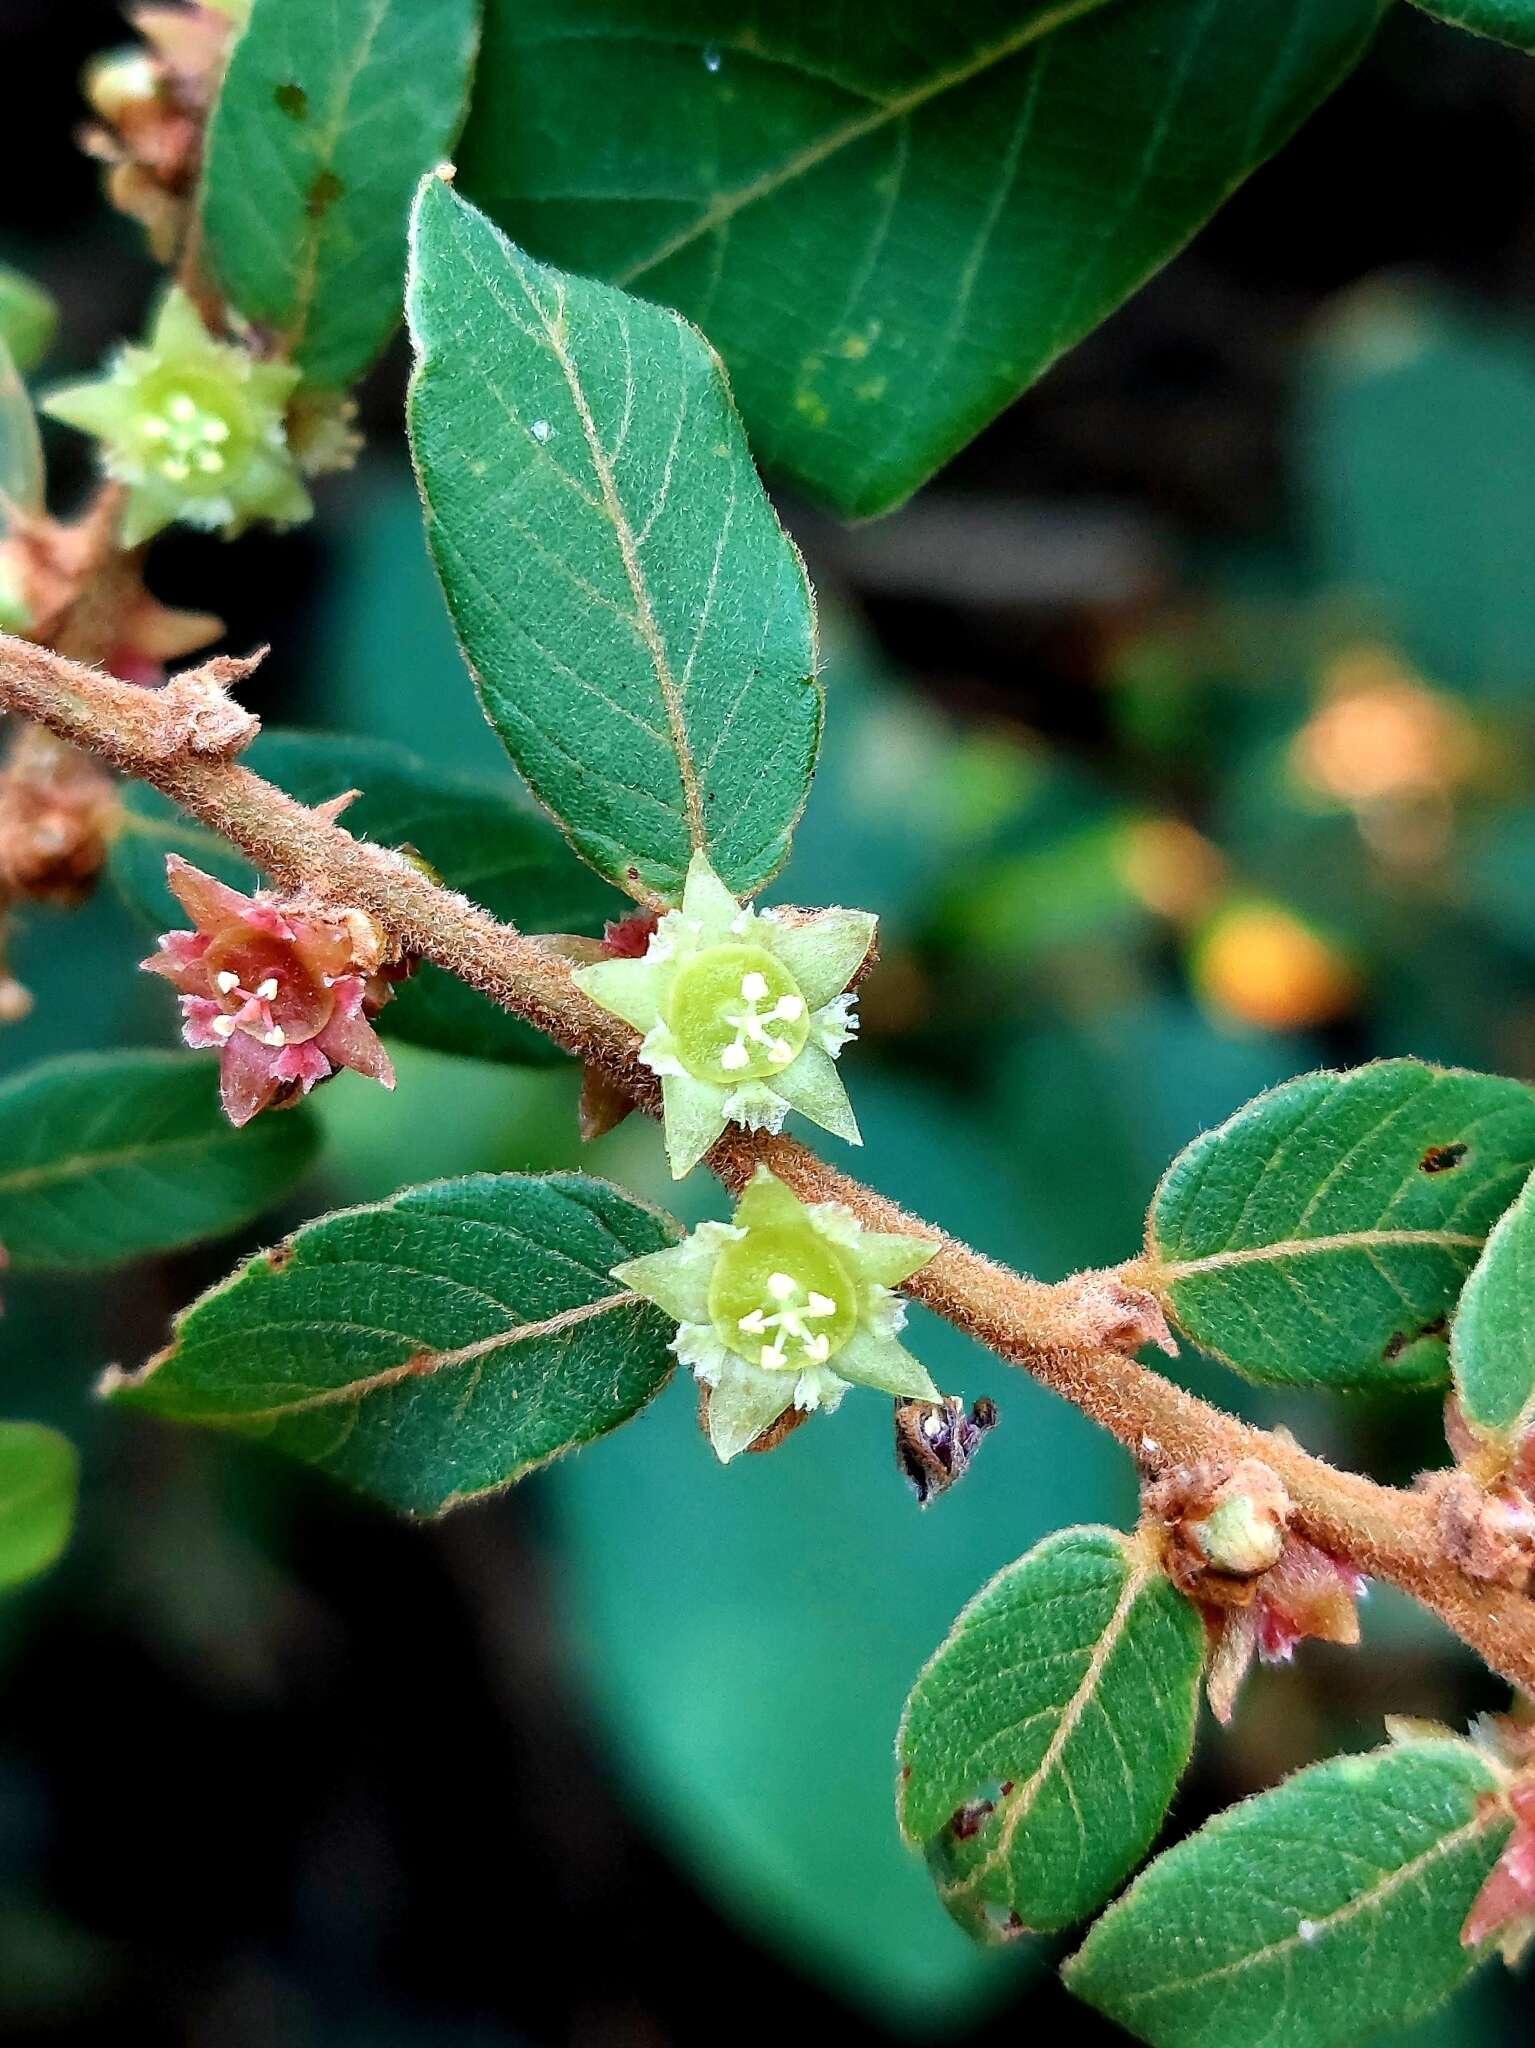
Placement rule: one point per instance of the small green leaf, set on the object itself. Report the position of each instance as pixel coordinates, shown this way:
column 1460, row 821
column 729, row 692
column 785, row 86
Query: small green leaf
column 29, row 319
column 638, row 623
column 39, row 1479
column 429, row 1348
column 1492, row 1343
column 1043, row 1742
column 1311, row 1915
column 1321, row 1235
column 110, row 1156
column 327, row 116
column 1506, row 21
column 21, row 449
column 488, row 842
column 889, row 221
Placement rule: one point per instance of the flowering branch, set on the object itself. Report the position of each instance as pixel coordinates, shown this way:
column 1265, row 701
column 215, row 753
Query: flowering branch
column 1077, row 1337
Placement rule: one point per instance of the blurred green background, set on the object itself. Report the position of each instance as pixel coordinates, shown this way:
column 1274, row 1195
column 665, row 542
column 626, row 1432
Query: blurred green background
column 1183, row 737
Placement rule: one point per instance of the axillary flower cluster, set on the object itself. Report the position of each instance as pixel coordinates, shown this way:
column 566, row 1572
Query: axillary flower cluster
column 283, row 993
column 193, row 427
column 784, row 1307
column 743, row 1014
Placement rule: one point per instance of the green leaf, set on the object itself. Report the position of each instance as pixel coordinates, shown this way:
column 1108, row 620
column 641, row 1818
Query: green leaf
column 109, row 1156
column 638, row 623
column 1042, row 1744
column 29, row 319
column 21, row 449
column 889, row 224
column 1321, row 1235
column 430, row 1348
column 1313, row 1914
column 1492, row 1344
column 328, row 115
column 1506, row 21
column 485, row 841
column 39, row 1479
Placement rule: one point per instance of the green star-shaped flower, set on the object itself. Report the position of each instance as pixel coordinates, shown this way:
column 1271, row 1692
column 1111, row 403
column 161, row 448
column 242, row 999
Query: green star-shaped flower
column 193, row 427
column 744, row 1014
column 788, row 1305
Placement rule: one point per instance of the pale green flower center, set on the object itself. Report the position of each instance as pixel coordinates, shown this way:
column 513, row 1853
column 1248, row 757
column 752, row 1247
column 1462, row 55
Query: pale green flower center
column 781, row 1298
column 186, row 436
column 736, row 1014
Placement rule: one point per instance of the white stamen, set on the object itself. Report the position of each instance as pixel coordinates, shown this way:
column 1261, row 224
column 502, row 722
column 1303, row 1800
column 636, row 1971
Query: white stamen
column 276, row 1036
column 753, row 1324
column 267, row 989
column 734, row 1056
column 789, row 1008
column 214, row 429
column 175, row 470
column 181, row 408
column 818, row 1349
column 223, row 1027
column 210, row 462
column 154, row 428
column 226, row 982
column 820, row 1305
column 772, row 1357
column 754, row 987
column 780, row 1286
column 780, row 1052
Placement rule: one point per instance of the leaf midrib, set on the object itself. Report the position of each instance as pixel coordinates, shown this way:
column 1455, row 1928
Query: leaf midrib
column 1301, row 1247
column 725, row 206
column 79, row 1164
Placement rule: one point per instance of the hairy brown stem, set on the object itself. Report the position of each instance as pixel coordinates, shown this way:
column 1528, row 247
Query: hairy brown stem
column 1077, row 1337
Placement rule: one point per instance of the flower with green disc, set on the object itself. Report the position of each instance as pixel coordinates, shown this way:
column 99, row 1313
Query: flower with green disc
column 743, row 1013
column 786, row 1306
column 193, row 427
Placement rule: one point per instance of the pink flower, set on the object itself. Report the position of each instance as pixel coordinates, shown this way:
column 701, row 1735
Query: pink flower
column 1308, row 1595
column 282, row 992
column 1505, row 1906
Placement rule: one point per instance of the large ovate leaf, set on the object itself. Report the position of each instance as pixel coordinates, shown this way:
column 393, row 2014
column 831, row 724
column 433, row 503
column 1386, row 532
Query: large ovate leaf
column 39, row 1479
column 889, row 222
column 329, row 112
column 109, row 1156
column 1492, row 1345
column 1321, row 1235
column 1506, row 21
column 638, row 623
column 1044, row 1740
column 482, row 840
column 1314, row 1914
column 432, row 1347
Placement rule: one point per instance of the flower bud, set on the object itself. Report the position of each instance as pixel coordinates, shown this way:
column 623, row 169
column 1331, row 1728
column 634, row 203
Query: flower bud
column 935, row 1441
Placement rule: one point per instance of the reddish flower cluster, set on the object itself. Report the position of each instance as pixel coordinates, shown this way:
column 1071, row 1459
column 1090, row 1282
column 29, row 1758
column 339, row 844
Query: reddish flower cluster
column 1505, row 1906
column 1308, row 1596
column 282, row 992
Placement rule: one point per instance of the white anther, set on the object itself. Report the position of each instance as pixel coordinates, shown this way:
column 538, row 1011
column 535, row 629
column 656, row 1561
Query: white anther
column 267, row 989
column 210, row 462
column 754, row 987
column 276, row 1036
column 781, row 1286
column 780, row 1052
column 181, row 408
column 213, row 429
column 753, row 1324
column 817, row 1349
column 789, row 1008
column 226, row 982
column 820, row 1305
column 154, row 428
column 773, row 1357
column 175, row 470
column 223, row 1027
column 734, row 1056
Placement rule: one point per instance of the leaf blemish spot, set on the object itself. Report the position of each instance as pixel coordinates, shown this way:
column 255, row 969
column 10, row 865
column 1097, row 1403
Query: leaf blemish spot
column 293, row 101
column 323, row 193
column 1440, row 1158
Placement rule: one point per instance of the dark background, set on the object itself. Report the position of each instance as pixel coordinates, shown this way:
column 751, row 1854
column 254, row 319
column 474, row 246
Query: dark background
column 276, row 1769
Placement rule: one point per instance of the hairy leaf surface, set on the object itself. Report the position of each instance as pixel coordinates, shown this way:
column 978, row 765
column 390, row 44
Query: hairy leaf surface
column 1492, row 1347
column 1314, row 1914
column 638, row 623
column 109, row 1156
column 432, row 1347
column 1321, row 1236
column 1041, row 1745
